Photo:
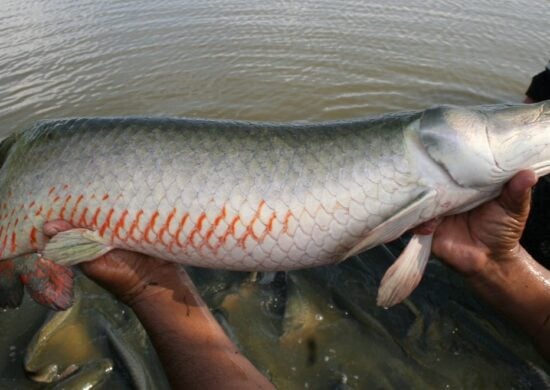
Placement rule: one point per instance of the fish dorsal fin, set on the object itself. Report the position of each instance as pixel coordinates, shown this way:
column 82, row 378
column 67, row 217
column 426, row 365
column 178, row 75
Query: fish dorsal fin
column 403, row 276
column 394, row 226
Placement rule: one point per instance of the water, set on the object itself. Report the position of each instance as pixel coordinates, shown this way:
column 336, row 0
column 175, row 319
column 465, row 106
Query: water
column 292, row 61
column 271, row 60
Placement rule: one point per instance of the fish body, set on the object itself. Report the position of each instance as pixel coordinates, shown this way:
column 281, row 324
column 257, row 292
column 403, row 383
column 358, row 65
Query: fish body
column 256, row 196
column 217, row 194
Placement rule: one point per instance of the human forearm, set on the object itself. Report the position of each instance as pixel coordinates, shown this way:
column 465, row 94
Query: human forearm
column 519, row 288
column 194, row 349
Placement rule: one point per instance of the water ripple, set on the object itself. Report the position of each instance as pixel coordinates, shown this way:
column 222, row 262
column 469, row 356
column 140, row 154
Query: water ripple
column 279, row 60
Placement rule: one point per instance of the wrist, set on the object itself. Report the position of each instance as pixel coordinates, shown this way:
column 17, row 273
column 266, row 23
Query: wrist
column 169, row 282
column 517, row 286
column 143, row 292
column 159, row 278
column 496, row 265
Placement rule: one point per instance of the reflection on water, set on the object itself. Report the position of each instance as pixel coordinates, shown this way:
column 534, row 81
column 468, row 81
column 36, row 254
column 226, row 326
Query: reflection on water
column 271, row 60
column 278, row 60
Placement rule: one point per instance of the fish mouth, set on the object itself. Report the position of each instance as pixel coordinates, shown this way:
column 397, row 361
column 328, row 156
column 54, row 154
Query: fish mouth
column 520, row 138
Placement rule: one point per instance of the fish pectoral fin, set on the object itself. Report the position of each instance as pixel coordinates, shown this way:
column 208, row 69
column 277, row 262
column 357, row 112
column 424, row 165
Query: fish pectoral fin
column 75, row 246
column 403, row 276
column 394, row 226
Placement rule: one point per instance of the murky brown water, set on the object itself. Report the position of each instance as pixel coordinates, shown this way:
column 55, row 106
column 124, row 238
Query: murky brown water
column 280, row 61
column 269, row 60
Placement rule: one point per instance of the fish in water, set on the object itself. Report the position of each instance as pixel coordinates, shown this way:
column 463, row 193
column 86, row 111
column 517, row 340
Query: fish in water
column 250, row 196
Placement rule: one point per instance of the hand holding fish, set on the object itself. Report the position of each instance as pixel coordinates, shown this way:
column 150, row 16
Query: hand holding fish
column 125, row 274
column 469, row 241
column 483, row 245
column 178, row 321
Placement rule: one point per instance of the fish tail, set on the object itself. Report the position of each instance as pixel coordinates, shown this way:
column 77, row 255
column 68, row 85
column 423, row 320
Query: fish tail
column 48, row 283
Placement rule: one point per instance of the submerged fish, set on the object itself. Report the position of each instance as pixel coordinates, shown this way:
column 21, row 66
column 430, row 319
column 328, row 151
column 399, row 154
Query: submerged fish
column 251, row 196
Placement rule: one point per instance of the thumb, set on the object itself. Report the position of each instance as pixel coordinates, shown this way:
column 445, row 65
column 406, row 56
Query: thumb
column 516, row 195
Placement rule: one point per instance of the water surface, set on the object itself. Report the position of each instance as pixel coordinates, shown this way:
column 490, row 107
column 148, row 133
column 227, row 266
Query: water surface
column 270, row 60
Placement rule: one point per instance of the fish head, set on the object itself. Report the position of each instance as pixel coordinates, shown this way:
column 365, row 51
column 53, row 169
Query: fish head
column 482, row 147
column 520, row 137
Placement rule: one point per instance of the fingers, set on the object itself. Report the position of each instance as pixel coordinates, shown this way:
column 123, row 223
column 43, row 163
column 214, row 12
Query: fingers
column 516, row 196
column 51, row 228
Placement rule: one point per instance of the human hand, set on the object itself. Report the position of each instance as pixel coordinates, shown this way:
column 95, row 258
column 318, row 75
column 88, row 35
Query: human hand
column 177, row 320
column 469, row 241
column 126, row 274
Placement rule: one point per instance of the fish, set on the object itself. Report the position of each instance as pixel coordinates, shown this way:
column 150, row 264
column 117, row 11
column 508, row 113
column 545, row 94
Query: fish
column 251, row 196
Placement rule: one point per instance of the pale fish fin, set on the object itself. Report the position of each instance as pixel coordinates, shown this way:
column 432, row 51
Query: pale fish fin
column 405, row 273
column 394, row 226
column 75, row 246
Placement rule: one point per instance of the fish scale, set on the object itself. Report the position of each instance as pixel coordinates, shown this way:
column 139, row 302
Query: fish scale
column 252, row 196
column 130, row 179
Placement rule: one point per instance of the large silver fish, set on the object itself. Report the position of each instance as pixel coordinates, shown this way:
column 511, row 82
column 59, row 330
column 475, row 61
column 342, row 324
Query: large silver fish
column 251, row 196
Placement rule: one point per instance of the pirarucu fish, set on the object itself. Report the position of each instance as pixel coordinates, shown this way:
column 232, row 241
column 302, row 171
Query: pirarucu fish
column 250, row 196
